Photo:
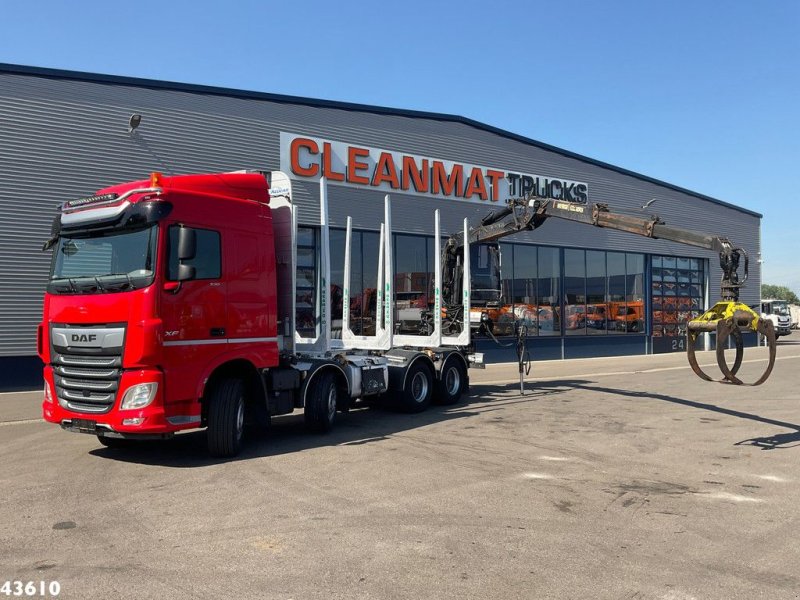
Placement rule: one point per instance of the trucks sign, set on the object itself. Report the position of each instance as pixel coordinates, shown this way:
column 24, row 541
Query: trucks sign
column 361, row 166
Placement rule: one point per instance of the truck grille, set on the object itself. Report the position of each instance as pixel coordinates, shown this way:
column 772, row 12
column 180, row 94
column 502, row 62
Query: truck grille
column 87, row 373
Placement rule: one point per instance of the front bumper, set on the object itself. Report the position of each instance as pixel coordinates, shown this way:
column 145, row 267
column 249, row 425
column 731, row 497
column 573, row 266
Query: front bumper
column 152, row 421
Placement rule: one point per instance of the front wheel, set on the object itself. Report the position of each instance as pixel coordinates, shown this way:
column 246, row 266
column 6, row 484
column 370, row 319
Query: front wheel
column 226, row 418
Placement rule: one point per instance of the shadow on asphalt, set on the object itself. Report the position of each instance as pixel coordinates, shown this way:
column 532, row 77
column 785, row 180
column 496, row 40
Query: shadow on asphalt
column 363, row 425
column 375, row 423
column 772, row 442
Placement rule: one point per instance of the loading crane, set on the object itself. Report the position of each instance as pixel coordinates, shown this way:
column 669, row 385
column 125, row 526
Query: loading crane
column 727, row 318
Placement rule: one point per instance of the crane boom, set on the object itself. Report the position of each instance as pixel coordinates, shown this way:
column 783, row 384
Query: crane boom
column 727, row 318
column 525, row 214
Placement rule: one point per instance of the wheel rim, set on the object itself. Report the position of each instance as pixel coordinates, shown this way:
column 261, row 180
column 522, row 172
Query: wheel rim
column 419, row 387
column 331, row 403
column 240, row 420
column 452, row 381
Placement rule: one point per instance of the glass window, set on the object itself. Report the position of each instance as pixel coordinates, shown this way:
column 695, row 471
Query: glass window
column 504, row 316
column 548, row 288
column 615, row 297
column 634, row 293
column 525, row 302
column 363, row 281
column 365, row 307
column 104, row 261
column 207, row 259
column 410, row 281
column 507, row 274
column 676, row 301
column 337, row 241
column 306, row 282
column 575, row 292
column 484, row 270
column 596, row 306
column 431, row 274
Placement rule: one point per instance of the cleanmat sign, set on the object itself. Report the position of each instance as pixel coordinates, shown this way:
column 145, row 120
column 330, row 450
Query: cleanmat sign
column 304, row 157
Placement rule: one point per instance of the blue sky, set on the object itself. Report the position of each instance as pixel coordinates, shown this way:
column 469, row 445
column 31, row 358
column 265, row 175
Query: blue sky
column 705, row 95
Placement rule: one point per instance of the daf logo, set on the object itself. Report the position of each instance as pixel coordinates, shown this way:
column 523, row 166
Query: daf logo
column 84, row 337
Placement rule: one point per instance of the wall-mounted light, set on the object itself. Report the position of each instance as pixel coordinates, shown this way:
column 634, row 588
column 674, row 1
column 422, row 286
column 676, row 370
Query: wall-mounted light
column 134, row 122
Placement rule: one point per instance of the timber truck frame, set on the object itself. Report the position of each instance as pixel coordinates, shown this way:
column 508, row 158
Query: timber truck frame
column 172, row 305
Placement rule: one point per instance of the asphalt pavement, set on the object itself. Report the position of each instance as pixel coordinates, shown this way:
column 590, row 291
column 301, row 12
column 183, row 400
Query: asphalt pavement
column 609, row 478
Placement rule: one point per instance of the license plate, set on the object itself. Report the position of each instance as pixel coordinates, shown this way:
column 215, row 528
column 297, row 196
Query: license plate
column 84, row 425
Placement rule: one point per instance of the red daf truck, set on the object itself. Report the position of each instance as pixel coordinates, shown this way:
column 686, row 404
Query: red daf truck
column 186, row 302
column 172, row 305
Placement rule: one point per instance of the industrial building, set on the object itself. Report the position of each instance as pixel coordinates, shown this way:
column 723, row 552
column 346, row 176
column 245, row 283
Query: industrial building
column 585, row 291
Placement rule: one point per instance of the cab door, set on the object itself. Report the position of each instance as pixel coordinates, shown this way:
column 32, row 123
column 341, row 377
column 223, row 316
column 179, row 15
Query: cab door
column 193, row 311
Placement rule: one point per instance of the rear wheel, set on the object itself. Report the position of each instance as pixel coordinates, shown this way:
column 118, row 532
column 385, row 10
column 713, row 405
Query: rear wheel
column 452, row 383
column 418, row 390
column 226, row 418
column 321, row 399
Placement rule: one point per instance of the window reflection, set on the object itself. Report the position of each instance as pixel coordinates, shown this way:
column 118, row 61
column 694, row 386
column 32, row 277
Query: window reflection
column 575, row 292
column 411, row 274
column 306, row 320
column 596, row 306
column 677, row 296
column 549, row 279
column 363, row 281
column 603, row 292
column 615, row 297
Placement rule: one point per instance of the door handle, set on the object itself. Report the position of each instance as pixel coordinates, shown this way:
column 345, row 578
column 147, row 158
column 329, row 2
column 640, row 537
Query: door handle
column 217, row 332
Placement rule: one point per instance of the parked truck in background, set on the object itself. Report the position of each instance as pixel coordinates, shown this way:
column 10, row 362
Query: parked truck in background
column 777, row 311
column 794, row 313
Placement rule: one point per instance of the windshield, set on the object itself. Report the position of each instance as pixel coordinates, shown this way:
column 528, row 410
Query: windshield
column 105, row 262
column 775, row 308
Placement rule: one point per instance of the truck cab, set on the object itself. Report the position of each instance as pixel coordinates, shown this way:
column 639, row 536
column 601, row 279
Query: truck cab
column 158, row 290
column 777, row 311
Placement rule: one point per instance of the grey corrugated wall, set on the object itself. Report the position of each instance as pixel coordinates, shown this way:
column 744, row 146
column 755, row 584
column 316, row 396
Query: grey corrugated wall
column 65, row 136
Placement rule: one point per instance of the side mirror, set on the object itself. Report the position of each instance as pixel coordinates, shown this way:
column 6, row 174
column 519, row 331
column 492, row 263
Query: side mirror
column 187, row 243
column 186, row 272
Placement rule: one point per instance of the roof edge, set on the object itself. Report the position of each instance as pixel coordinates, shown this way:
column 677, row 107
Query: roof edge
column 336, row 104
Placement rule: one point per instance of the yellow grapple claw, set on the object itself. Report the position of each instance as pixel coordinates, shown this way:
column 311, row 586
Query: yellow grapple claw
column 726, row 319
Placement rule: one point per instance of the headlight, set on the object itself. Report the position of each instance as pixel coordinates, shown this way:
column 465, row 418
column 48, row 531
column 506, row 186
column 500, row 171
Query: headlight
column 139, row 396
column 48, row 396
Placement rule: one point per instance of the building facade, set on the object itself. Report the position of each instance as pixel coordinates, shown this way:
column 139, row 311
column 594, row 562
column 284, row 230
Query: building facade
column 584, row 291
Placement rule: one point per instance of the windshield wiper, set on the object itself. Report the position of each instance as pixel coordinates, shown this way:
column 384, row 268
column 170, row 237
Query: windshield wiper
column 128, row 282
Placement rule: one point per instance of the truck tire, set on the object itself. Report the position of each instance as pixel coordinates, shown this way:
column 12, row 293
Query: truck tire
column 226, row 418
column 418, row 389
column 321, row 399
column 452, row 383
